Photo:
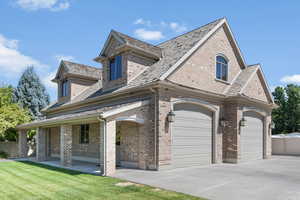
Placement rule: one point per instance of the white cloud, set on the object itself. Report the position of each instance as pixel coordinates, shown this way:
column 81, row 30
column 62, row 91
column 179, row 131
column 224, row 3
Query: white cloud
column 52, row 5
column 178, row 28
column 148, row 34
column 141, row 21
column 47, row 80
column 160, row 28
column 61, row 6
column 12, row 61
column 64, row 57
column 291, row 79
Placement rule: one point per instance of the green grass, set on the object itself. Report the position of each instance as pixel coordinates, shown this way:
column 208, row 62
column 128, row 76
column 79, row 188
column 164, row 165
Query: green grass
column 27, row 180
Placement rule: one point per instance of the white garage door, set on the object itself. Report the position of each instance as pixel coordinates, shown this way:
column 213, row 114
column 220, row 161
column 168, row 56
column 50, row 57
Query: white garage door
column 252, row 137
column 191, row 136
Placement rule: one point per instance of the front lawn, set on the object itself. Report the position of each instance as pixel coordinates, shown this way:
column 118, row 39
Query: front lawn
column 27, row 180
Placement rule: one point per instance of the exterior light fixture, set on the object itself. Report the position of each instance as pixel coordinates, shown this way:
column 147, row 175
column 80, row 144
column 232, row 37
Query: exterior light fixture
column 171, row 117
column 222, row 122
column 243, row 122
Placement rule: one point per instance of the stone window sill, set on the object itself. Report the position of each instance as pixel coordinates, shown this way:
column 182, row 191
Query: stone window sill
column 225, row 82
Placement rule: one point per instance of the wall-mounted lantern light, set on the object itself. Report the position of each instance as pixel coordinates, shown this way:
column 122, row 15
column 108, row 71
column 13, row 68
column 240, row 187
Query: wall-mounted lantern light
column 222, row 122
column 243, row 122
column 171, row 117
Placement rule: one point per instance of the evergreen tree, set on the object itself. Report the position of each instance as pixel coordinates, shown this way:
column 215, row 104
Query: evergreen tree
column 287, row 116
column 31, row 93
column 293, row 107
column 279, row 114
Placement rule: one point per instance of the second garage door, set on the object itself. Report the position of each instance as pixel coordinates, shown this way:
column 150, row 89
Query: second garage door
column 191, row 136
column 252, row 137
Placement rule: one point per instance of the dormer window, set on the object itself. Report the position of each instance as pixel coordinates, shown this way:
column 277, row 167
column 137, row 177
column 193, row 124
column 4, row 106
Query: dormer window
column 64, row 88
column 115, row 68
column 221, row 68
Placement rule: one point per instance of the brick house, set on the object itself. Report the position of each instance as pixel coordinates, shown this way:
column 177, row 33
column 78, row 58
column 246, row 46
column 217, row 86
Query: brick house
column 191, row 100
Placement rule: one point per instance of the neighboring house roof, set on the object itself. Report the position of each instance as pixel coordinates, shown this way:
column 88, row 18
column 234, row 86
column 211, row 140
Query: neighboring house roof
column 80, row 70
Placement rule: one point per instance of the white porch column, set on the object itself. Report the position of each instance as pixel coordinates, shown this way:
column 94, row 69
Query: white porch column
column 66, row 145
column 108, row 147
column 22, row 143
column 41, row 144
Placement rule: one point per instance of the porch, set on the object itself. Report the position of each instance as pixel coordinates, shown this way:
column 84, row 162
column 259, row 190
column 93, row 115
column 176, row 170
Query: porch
column 94, row 143
column 80, row 166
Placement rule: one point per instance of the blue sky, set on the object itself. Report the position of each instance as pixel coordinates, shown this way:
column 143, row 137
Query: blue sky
column 41, row 32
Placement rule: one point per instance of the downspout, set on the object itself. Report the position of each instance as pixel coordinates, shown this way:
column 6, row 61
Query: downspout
column 155, row 127
column 104, row 164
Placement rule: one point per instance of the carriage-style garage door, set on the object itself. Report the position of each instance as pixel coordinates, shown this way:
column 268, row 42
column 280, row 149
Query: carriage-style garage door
column 191, row 136
column 252, row 137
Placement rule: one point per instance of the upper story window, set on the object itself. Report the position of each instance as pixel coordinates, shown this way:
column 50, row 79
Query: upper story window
column 84, row 134
column 64, row 88
column 222, row 68
column 115, row 68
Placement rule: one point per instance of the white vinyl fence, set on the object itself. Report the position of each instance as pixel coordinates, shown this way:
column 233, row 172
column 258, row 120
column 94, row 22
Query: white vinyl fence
column 286, row 144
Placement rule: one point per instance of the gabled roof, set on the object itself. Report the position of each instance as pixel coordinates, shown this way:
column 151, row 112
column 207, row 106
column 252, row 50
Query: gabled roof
column 173, row 52
column 131, row 42
column 80, row 70
column 244, row 78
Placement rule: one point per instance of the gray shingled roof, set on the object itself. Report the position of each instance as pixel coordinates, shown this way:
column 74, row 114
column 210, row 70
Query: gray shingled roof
column 172, row 50
column 85, row 114
column 139, row 44
column 241, row 80
column 81, row 70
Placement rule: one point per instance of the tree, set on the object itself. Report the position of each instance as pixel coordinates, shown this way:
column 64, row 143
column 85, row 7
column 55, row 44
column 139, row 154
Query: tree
column 11, row 114
column 31, row 93
column 293, row 107
column 279, row 114
column 287, row 116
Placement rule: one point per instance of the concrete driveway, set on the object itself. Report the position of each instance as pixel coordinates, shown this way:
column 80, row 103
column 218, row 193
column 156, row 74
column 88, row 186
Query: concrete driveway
column 277, row 178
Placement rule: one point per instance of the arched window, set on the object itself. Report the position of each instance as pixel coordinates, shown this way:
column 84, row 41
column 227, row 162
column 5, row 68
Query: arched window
column 221, row 68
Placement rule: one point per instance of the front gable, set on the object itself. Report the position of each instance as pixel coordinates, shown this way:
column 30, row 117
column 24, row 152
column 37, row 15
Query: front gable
column 199, row 70
column 257, row 88
column 112, row 43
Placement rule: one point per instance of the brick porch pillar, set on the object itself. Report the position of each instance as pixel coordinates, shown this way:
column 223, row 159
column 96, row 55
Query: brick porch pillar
column 231, row 137
column 66, row 145
column 41, row 150
column 108, row 147
column 22, row 143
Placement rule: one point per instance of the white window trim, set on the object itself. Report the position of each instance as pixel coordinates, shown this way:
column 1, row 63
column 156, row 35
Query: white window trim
column 227, row 77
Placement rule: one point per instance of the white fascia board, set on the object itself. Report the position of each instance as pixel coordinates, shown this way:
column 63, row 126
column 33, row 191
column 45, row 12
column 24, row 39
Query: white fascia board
column 124, row 109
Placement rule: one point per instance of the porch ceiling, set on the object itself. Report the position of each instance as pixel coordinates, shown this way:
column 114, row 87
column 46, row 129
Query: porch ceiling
column 85, row 116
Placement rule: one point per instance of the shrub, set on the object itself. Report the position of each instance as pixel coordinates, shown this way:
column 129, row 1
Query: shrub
column 3, row 154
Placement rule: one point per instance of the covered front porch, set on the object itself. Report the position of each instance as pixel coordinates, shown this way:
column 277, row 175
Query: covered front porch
column 93, row 142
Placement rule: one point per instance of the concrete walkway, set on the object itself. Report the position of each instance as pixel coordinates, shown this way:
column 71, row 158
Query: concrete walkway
column 276, row 179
